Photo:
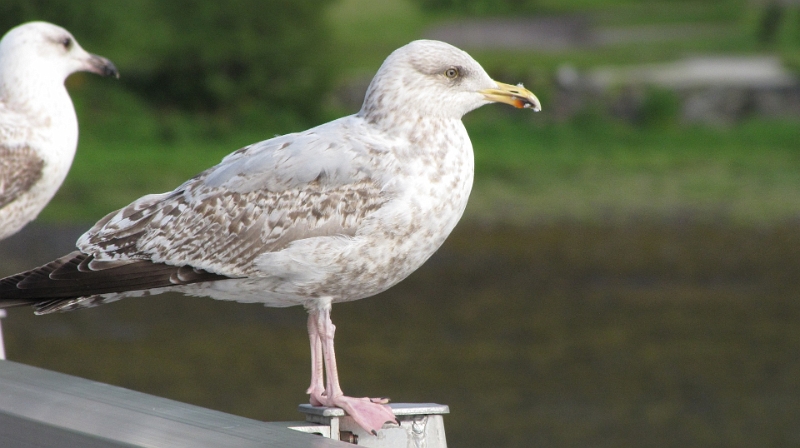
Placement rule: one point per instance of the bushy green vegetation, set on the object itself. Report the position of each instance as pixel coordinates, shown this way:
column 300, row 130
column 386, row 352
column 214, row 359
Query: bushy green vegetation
column 202, row 56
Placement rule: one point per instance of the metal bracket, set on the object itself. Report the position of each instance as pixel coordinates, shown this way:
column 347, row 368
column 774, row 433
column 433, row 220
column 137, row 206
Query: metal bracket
column 421, row 425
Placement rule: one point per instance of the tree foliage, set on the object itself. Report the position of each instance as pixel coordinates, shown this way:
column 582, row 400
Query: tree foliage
column 201, row 55
column 482, row 7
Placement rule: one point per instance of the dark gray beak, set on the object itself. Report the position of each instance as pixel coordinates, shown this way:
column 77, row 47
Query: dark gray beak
column 102, row 66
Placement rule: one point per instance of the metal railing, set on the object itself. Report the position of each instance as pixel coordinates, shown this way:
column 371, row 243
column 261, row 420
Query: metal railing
column 41, row 408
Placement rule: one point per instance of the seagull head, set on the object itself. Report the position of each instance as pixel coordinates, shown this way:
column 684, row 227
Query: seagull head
column 433, row 78
column 44, row 50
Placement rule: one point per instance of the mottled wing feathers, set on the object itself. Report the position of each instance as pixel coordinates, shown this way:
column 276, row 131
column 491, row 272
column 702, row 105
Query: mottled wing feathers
column 214, row 226
column 257, row 200
column 20, row 169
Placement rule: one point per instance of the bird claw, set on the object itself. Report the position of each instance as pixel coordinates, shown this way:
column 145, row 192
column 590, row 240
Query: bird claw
column 369, row 413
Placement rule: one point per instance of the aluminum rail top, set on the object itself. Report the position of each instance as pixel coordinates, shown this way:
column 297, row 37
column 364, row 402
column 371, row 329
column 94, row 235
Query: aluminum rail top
column 40, row 408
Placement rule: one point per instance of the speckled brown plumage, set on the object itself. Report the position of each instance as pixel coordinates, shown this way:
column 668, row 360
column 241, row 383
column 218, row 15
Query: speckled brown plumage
column 20, row 169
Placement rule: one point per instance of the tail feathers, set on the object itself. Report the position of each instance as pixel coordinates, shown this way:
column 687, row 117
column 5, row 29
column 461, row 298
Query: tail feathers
column 62, row 281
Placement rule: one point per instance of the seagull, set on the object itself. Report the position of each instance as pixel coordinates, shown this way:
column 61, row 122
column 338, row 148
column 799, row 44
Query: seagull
column 336, row 213
column 38, row 126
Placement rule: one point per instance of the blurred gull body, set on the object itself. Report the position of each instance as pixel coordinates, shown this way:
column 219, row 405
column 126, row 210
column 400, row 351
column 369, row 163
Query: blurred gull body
column 38, row 126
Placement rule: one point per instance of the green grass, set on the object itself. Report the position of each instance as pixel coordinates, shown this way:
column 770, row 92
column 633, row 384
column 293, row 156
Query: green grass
column 528, row 173
column 527, row 170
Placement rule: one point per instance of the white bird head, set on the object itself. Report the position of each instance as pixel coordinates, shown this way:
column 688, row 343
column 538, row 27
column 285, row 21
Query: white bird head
column 43, row 50
column 432, row 78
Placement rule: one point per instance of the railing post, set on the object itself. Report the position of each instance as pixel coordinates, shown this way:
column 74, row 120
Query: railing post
column 421, row 424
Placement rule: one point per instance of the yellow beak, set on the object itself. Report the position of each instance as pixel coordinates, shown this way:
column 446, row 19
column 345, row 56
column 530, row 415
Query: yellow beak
column 516, row 96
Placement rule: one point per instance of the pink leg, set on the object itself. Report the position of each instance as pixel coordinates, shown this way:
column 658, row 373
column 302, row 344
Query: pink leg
column 317, row 388
column 369, row 413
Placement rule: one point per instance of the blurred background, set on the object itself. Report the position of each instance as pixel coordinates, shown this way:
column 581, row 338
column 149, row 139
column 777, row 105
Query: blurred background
column 626, row 273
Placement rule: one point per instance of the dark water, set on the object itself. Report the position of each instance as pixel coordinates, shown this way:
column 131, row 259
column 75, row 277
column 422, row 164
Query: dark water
column 645, row 335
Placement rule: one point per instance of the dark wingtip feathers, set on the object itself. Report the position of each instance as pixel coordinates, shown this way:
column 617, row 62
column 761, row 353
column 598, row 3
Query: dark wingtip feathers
column 74, row 281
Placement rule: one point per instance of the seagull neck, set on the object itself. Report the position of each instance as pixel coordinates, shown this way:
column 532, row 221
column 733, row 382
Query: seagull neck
column 400, row 125
column 42, row 100
column 389, row 125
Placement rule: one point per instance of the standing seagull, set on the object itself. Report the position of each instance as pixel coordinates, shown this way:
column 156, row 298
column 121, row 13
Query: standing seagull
column 38, row 127
column 337, row 213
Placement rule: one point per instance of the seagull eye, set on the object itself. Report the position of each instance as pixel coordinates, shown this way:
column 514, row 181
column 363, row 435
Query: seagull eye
column 451, row 73
column 67, row 42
